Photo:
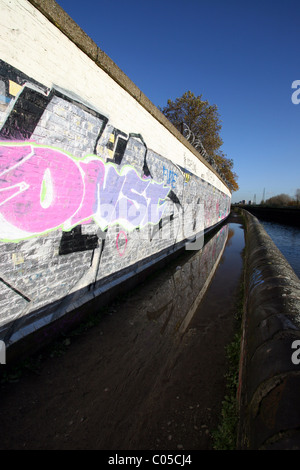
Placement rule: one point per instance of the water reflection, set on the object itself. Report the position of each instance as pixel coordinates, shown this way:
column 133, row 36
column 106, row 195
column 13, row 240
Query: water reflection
column 174, row 301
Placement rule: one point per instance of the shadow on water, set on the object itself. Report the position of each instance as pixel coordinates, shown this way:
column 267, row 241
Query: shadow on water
column 150, row 375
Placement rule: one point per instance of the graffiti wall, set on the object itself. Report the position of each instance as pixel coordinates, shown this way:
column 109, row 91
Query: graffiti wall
column 89, row 193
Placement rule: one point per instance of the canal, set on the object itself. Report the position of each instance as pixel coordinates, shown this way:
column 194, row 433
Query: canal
column 287, row 239
column 149, row 374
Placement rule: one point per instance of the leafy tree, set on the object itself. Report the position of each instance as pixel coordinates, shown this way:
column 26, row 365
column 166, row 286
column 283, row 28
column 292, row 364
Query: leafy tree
column 200, row 122
column 201, row 118
column 226, row 167
column 279, row 200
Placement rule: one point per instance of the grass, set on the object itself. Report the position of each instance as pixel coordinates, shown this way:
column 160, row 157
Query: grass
column 226, row 434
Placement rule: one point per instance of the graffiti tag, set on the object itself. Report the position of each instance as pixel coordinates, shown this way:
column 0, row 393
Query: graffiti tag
column 42, row 189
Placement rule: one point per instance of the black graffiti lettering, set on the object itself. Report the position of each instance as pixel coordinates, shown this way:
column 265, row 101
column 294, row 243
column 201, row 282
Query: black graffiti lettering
column 74, row 241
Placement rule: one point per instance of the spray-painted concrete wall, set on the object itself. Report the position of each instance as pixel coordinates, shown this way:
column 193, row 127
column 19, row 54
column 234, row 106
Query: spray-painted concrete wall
column 93, row 187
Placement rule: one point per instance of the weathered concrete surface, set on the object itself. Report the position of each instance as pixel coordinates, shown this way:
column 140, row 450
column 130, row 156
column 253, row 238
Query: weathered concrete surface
column 269, row 378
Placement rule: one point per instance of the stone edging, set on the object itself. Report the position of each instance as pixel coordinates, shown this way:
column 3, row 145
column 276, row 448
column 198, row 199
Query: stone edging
column 269, row 373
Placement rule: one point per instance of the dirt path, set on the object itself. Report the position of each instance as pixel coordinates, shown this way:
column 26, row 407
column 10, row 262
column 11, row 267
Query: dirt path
column 125, row 385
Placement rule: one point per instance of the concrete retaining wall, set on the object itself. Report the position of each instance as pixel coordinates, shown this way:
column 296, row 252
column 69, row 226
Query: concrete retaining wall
column 96, row 186
column 270, row 354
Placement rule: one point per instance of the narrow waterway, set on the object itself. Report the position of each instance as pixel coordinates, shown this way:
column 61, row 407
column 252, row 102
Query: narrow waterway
column 150, row 375
column 287, row 239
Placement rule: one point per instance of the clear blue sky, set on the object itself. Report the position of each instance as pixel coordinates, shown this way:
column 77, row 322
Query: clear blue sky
column 241, row 56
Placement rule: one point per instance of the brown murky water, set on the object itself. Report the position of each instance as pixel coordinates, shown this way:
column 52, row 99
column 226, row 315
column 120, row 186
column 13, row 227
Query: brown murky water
column 149, row 376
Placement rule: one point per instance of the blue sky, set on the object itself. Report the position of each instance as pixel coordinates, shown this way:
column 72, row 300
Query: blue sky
column 241, row 56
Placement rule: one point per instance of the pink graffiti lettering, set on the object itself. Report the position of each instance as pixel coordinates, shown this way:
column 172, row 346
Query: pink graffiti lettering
column 25, row 208
column 42, row 189
column 93, row 172
column 121, row 251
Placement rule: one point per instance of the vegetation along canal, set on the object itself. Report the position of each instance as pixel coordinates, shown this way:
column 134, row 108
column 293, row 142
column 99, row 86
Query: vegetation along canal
column 150, row 373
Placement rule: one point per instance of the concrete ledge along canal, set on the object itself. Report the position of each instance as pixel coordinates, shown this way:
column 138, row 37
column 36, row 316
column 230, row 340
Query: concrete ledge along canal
column 270, row 371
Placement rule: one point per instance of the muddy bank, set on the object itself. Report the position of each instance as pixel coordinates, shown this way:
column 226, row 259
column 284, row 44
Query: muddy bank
column 138, row 379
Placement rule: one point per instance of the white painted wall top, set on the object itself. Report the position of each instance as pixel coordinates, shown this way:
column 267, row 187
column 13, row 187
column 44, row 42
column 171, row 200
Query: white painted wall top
column 32, row 44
